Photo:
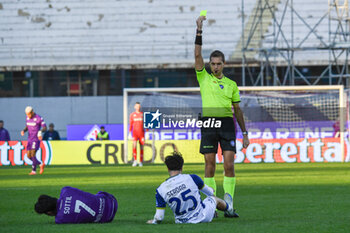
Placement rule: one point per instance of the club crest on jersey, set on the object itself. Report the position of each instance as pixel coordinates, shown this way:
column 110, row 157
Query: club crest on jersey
column 221, row 86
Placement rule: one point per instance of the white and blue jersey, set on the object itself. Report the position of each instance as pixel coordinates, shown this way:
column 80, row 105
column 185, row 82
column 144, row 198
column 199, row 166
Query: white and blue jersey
column 181, row 193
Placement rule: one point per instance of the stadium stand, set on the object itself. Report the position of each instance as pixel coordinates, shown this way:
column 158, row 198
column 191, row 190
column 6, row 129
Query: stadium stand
column 104, row 34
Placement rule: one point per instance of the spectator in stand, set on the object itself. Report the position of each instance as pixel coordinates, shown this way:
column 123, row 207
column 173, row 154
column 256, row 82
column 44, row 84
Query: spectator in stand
column 4, row 134
column 51, row 134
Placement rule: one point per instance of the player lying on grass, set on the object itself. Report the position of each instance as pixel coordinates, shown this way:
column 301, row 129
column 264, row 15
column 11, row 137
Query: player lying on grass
column 181, row 193
column 76, row 206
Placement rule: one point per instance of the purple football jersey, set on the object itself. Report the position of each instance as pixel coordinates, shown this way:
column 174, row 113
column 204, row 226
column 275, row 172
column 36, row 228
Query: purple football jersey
column 34, row 124
column 76, row 206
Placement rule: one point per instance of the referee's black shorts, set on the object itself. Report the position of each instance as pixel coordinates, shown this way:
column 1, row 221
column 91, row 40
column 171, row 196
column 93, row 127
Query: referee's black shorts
column 225, row 135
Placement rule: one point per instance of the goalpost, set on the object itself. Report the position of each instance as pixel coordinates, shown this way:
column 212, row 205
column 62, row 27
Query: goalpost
column 284, row 105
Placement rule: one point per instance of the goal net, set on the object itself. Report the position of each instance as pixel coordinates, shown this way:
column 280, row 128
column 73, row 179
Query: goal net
column 285, row 124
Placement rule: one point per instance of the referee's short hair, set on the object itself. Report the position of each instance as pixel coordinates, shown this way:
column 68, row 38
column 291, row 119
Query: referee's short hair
column 174, row 162
column 217, row 53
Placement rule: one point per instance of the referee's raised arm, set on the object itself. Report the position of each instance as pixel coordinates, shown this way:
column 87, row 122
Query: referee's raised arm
column 199, row 63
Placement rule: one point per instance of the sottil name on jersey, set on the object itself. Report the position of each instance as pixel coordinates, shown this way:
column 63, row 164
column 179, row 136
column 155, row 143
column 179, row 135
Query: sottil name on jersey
column 191, row 123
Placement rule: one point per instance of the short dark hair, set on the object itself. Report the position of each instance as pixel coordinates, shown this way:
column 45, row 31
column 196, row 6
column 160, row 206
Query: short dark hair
column 137, row 103
column 51, row 125
column 174, row 162
column 45, row 204
column 217, row 53
column 1, row 121
column 102, row 127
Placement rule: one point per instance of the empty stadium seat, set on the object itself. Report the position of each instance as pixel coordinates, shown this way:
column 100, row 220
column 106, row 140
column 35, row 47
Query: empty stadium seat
column 86, row 32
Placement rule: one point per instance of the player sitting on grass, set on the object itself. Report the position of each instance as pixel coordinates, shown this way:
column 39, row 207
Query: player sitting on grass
column 181, row 193
column 76, row 206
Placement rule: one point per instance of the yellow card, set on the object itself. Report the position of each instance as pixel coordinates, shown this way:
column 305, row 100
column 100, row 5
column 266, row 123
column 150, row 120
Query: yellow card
column 203, row 13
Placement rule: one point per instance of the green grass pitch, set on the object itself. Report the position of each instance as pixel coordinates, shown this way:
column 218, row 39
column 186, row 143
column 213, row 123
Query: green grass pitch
column 269, row 198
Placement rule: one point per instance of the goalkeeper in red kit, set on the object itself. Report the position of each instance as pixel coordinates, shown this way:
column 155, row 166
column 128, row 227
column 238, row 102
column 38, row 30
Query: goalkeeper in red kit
column 138, row 133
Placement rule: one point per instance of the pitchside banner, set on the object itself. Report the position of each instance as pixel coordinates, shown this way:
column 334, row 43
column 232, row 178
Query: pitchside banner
column 13, row 153
column 303, row 150
column 89, row 132
column 172, row 131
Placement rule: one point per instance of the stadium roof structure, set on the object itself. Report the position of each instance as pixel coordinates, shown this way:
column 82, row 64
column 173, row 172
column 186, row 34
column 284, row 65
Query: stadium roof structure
column 292, row 34
column 303, row 26
column 109, row 34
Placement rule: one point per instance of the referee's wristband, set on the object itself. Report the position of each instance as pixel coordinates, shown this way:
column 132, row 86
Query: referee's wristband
column 245, row 133
column 198, row 40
